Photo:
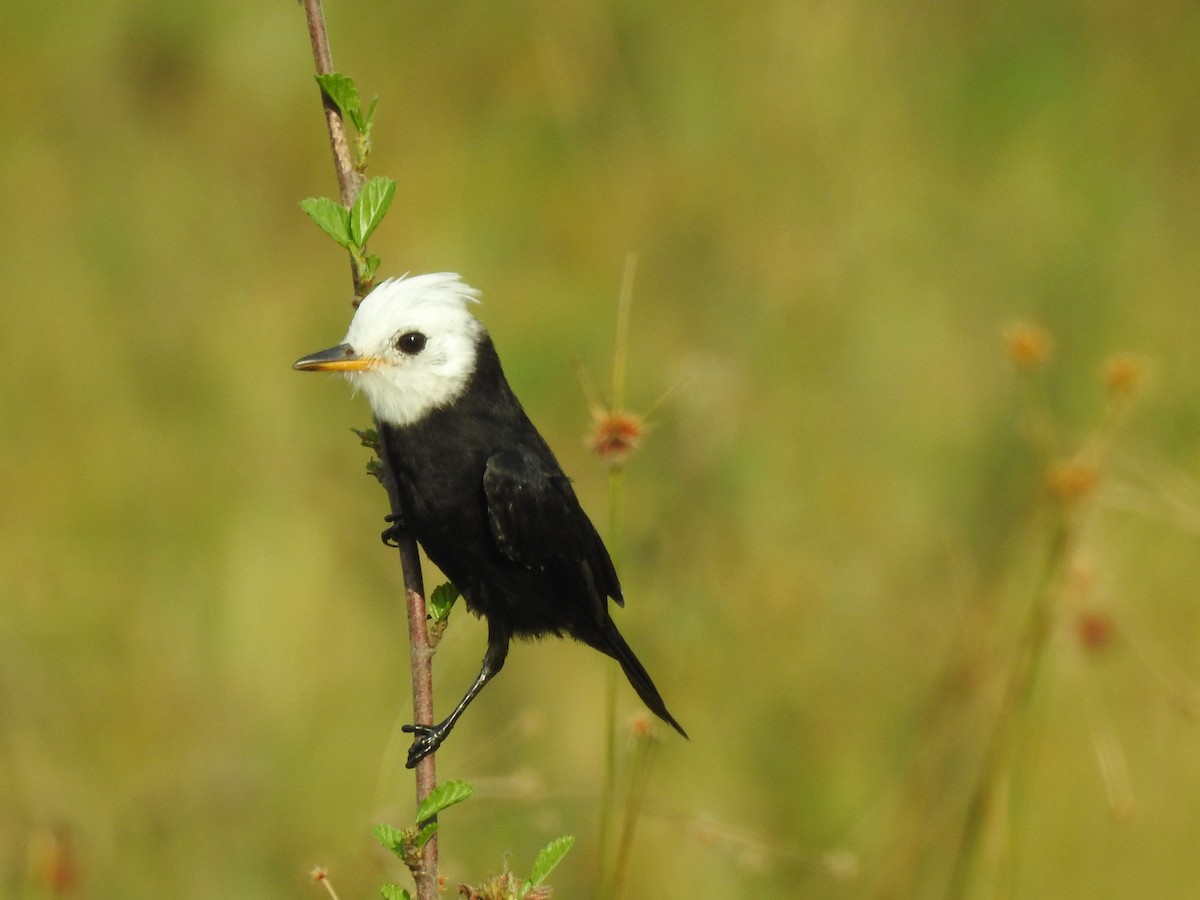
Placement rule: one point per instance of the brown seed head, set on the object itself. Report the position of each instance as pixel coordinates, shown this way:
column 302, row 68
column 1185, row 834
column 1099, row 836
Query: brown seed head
column 1123, row 376
column 1070, row 480
column 1029, row 345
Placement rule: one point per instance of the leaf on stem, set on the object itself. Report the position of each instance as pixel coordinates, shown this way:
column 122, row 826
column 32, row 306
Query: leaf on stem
column 331, row 218
column 391, row 837
column 368, row 437
column 369, row 207
column 368, row 268
column 442, row 797
column 362, row 145
column 394, row 892
column 441, row 601
column 369, row 118
column 550, row 857
column 341, row 90
column 425, row 834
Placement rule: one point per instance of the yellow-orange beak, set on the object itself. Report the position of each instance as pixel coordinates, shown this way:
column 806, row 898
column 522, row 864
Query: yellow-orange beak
column 342, row 358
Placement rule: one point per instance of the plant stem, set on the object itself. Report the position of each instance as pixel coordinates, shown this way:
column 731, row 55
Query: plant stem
column 1006, row 734
column 608, row 795
column 639, row 782
column 421, row 654
column 607, row 884
column 621, row 342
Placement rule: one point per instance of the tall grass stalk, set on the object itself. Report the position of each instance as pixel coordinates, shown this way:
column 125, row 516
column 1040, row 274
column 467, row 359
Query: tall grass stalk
column 614, row 454
column 643, row 760
column 608, row 791
column 994, row 787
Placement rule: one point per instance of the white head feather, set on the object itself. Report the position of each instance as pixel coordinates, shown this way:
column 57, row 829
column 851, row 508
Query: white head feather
column 403, row 387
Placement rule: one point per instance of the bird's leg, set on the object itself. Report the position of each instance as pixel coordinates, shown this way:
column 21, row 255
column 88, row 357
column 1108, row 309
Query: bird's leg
column 430, row 737
column 396, row 527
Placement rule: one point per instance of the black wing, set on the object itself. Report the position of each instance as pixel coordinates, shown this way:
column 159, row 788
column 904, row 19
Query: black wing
column 537, row 523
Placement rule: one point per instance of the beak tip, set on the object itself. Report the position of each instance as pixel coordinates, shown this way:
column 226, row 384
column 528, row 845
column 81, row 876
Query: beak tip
column 342, row 358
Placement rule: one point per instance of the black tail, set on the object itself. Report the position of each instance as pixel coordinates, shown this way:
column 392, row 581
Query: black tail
column 612, row 644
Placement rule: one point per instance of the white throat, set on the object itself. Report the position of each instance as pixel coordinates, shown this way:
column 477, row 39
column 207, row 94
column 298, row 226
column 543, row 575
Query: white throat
column 408, row 399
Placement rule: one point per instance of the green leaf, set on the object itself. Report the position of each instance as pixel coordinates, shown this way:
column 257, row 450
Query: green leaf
column 362, row 149
column 391, row 837
column 550, row 857
column 369, row 207
column 368, row 268
column 425, row 834
column 341, row 90
column 441, row 601
column 394, row 892
column 442, row 797
column 369, row 437
column 362, row 145
column 331, row 218
column 369, row 118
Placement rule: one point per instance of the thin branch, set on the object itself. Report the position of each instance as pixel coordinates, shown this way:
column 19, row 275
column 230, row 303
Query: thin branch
column 421, row 654
column 420, row 650
column 343, row 161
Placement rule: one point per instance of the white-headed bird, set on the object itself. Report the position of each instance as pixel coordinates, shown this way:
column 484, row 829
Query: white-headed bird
column 480, row 489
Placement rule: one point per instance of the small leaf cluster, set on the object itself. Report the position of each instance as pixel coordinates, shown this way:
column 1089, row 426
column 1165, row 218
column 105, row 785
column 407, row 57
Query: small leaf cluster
column 507, row 886
column 369, row 438
column 343, row 93
column 407, row 843
column 351, row 227
column 441, row 601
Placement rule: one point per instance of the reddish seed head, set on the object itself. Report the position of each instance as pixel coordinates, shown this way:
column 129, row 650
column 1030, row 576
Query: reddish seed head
column 52, row 860
column 641, row 725
column 616, row 435
column 1096, row 629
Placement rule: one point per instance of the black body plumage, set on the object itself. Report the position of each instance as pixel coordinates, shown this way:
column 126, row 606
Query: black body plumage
column 488, row 502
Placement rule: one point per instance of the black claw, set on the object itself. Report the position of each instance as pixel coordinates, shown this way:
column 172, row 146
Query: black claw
column 390, row 535
column 429, row 738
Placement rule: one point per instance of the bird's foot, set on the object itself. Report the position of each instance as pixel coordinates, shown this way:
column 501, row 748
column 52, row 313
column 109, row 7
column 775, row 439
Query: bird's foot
column 391, row 534
column 428, row 739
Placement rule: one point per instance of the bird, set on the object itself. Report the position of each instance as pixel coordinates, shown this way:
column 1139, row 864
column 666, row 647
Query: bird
column 479, row 487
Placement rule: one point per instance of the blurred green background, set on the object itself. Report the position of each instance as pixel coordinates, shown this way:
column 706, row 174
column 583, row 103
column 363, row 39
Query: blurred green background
column 829, row 538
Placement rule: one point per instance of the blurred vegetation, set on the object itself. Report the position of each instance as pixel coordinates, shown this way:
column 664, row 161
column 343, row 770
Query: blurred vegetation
column 832, row 536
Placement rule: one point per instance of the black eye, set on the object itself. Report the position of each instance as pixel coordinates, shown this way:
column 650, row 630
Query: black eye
column 411, row 342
